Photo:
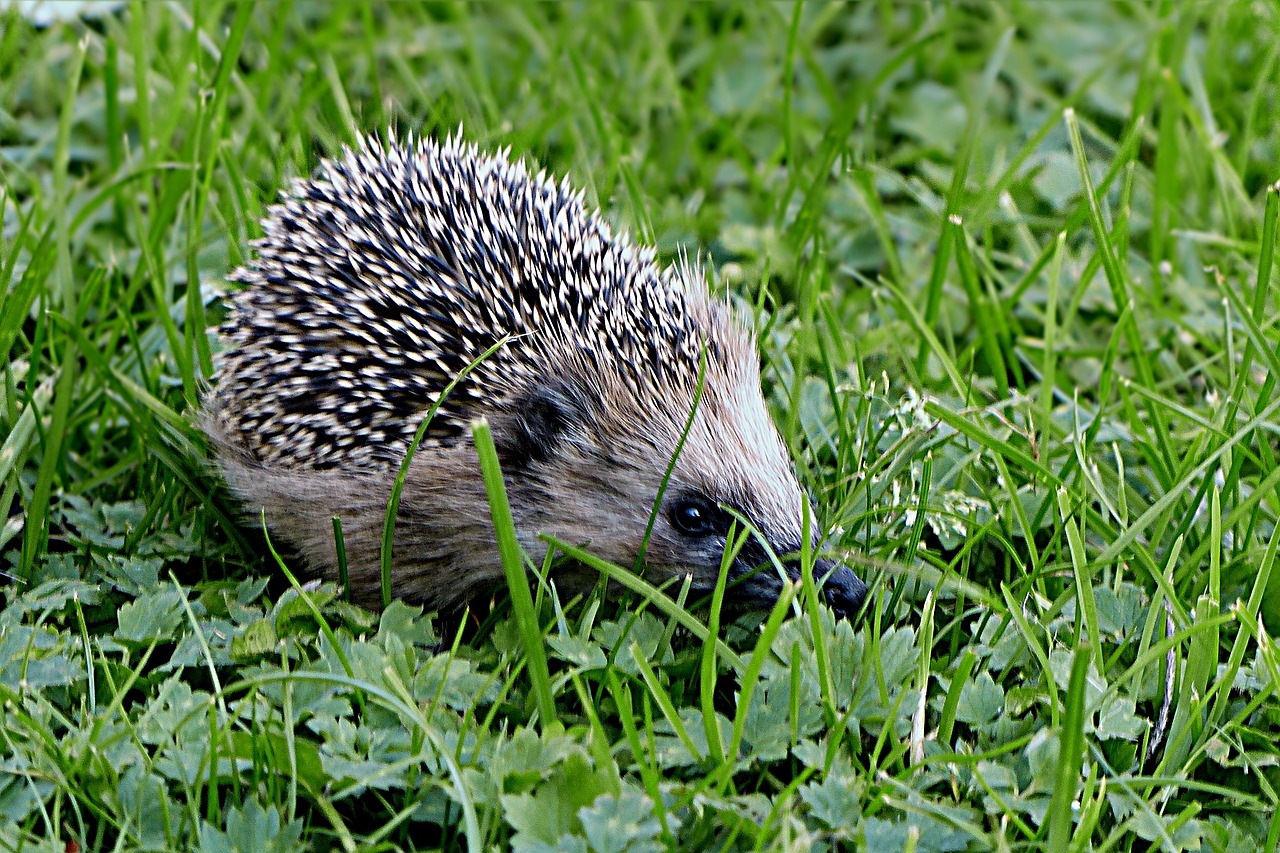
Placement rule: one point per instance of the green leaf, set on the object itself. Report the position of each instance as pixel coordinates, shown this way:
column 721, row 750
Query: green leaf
column 255, row 641
column 623, row 823
column 295, row 614
column 574, row 650
column 981, row 701
column 252, row 829
column 152, row 618
column 835, row 800
column 407, row 623
column 550, row 812
column 145, row 801
column 20, row 792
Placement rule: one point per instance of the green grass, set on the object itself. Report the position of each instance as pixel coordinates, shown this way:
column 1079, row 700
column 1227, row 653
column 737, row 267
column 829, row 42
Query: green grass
column 1011, row 264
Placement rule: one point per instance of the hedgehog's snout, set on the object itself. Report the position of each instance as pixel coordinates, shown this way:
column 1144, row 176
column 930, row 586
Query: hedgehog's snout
column 843, row 590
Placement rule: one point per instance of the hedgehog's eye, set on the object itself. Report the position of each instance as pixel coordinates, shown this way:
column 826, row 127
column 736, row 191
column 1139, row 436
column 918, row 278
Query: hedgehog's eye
column 697, row 516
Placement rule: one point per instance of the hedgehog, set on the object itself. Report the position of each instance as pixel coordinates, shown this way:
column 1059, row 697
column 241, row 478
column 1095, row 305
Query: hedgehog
column 381, row 279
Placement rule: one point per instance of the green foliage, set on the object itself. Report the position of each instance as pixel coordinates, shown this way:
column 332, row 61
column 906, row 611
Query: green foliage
column 1011, row 268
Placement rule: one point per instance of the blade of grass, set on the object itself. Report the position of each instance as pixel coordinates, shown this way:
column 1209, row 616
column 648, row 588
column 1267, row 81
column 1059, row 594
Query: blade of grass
column 1120, row 295
column 947, row 720
column 34, row 541
column 707, row 670
column 1087, row 607
column 504, row 530
column 985, row 316
column 1070, row 755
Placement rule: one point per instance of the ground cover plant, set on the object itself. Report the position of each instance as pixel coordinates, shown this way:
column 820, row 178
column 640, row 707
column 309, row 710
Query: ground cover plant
column 1011, row 267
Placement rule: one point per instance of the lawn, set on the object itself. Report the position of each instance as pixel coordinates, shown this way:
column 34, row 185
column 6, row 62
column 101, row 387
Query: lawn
column 1011, row 270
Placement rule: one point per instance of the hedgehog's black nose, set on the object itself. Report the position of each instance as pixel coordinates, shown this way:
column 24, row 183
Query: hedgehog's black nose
column 843, row 590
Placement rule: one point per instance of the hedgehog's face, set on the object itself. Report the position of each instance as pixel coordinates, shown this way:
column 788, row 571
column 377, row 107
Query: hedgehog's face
column 734, row 470
column 698, row 529
column 581, row 479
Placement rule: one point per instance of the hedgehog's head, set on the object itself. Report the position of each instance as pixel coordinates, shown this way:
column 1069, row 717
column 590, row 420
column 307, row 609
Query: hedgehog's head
column 587, row 448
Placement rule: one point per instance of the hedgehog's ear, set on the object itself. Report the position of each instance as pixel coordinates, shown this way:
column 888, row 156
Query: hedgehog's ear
column 540, row 421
